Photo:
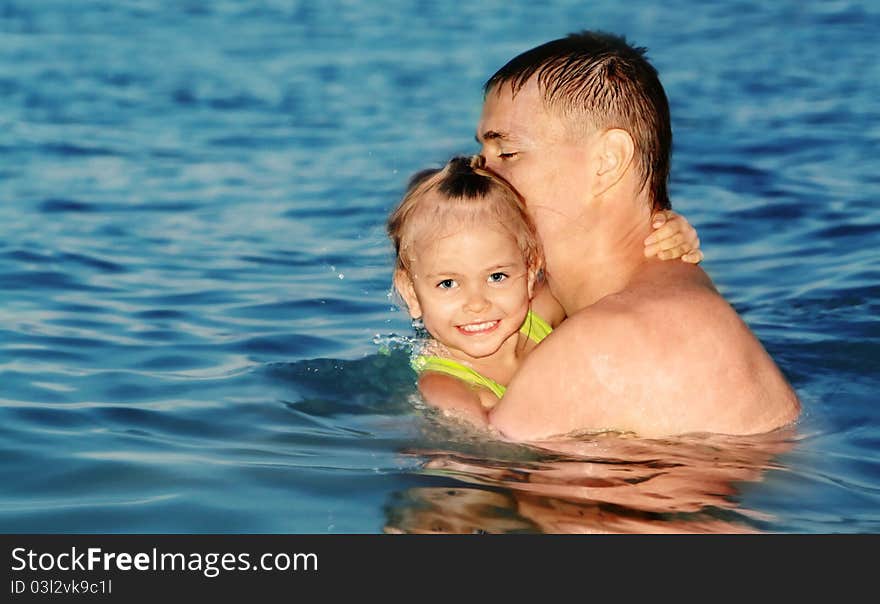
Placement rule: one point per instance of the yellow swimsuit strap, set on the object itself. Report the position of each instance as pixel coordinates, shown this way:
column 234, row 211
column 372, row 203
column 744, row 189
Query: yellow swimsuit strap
column 534, row 327
column 457, row 370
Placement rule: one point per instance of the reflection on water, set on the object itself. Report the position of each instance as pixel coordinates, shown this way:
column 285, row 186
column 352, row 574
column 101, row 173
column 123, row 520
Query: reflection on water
column 608, row 483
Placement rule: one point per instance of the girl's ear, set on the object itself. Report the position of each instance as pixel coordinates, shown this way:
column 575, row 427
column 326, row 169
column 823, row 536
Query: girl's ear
column 532, row 277
column 404, row 286
column 535, row 273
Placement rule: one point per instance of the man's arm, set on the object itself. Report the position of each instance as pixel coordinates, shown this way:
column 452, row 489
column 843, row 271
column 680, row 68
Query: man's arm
column 556, row 390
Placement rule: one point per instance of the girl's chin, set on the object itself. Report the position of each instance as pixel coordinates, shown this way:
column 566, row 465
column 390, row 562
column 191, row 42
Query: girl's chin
column 480, row 350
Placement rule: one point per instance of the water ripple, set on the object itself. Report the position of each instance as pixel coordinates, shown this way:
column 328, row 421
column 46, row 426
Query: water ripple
column 195, row 276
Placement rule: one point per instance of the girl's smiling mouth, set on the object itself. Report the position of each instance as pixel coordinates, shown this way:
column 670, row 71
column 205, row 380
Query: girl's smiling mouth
column 473, row 329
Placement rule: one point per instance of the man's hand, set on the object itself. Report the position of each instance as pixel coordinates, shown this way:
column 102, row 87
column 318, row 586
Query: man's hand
column 673, row 237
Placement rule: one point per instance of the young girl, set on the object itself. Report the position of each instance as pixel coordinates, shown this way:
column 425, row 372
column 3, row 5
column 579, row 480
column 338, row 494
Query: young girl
column 469, row 265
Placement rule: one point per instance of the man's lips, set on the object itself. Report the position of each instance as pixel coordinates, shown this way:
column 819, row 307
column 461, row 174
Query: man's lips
column 476, row 329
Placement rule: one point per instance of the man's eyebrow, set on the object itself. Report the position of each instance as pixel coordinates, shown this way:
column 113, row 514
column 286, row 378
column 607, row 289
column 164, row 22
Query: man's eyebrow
column 490, row 135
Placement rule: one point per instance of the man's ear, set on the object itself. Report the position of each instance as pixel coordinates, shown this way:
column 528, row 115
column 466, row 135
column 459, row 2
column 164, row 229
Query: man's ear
column 616, row 150
column 404, row 286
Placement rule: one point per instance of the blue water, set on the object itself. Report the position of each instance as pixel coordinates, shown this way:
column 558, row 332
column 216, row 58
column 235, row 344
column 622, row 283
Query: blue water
column 194, row 280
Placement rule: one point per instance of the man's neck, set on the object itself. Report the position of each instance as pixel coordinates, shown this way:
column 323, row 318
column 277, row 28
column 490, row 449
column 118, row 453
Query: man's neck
column 607, row 257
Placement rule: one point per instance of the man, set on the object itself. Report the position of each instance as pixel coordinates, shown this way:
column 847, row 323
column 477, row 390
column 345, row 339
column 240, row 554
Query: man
column 580, row 126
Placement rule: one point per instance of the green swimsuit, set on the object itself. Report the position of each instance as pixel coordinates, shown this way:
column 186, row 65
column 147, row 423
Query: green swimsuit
column 534, row 327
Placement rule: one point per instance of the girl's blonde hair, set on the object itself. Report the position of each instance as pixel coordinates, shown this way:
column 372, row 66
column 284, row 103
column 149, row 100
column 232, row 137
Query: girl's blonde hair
column 467, row 192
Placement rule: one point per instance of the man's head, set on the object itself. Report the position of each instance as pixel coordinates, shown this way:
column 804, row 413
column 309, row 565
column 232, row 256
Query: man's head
column 560, row 98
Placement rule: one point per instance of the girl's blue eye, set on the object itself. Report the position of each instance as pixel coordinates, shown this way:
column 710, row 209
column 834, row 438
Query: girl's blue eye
column 497, row 277
column 446, row 284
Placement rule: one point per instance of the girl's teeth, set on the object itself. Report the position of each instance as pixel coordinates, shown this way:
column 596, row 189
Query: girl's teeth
column 479, row 326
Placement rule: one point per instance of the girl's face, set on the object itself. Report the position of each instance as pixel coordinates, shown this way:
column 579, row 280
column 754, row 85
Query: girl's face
column 471, row 287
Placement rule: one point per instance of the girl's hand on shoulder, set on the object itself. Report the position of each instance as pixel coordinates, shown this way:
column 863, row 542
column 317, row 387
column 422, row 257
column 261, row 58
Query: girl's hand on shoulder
column 673, row 237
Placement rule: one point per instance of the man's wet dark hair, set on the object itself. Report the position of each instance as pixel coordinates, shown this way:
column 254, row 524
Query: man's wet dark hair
column 599, row 79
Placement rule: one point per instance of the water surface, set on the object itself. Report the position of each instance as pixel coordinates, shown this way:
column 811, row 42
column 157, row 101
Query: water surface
column 195, row 280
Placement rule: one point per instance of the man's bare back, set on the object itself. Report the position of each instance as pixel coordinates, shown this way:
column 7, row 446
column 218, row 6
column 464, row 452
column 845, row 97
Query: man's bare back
column 609, row 367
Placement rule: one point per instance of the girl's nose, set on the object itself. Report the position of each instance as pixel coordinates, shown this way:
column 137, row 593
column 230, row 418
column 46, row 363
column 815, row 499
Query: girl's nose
column 476, row 301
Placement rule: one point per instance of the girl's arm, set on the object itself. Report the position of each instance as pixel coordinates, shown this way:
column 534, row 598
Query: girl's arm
column 453, row 397
column 673, row 237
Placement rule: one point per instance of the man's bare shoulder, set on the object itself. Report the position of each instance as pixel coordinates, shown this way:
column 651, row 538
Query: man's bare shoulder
column 652, row 359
